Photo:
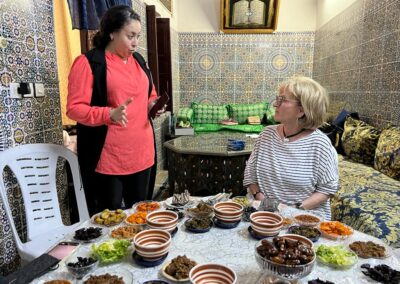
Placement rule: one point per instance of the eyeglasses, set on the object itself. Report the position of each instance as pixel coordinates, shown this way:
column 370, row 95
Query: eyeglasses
column 281, row 99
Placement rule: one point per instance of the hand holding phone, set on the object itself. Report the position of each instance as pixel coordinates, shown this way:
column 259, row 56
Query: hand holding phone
column 161, row 102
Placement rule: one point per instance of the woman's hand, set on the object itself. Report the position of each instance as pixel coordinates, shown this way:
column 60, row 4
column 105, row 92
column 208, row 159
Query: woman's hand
column 118, row 114
column 254, row 190
column 314, row 200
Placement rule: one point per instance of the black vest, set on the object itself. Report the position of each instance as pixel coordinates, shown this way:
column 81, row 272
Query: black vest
column 90, row 140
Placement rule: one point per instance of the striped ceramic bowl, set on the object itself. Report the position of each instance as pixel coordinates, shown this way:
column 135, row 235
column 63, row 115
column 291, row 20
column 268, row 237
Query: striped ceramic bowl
column 152, row 244
column 212, row 273
column 228, row 211
column 266, row 223
column 163, row 220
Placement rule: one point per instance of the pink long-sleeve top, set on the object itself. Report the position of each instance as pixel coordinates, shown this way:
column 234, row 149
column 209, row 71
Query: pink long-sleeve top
column 127, row 149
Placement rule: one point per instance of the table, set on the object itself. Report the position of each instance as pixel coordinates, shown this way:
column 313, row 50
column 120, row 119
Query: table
column 202, row 164
column 235, row 249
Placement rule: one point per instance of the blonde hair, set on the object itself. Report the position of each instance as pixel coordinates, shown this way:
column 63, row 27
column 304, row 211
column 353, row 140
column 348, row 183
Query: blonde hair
column 312, row 97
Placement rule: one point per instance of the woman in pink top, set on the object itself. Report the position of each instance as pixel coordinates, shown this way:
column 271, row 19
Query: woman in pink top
column 110, row 95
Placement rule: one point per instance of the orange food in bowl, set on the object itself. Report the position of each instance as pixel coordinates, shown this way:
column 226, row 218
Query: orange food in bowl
column 335, row 228
column 138, row 218
column 148, row 206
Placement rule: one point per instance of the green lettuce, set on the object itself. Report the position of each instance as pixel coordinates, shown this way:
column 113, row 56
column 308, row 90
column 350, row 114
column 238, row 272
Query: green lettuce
column 337, row 255
column 111, row 251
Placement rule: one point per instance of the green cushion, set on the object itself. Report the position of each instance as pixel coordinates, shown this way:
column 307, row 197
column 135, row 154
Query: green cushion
column 269, row 116
column 203, row 113
column 185, row 114
column 387, row 154
column 212, row 127
column 359, row 141
column 240, row 112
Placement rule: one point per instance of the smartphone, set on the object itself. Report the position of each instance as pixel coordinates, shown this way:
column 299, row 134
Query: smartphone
column 63, row 249
column 159, row 105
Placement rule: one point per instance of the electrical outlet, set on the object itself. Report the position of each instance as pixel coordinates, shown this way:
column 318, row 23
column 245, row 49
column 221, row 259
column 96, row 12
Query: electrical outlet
column 29, row 95
column 14, row 91
column 39, row 90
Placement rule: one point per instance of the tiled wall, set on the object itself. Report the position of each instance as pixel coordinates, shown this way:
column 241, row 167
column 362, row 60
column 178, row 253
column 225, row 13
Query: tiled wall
column 27, row 54
column 357, row 57
column 229, row 68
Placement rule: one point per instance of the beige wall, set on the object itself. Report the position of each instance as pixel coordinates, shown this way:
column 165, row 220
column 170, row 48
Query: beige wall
column 203, row 15
column 163, row 12
column 327, row 9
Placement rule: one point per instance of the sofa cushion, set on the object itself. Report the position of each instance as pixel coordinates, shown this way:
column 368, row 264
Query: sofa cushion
column 368, row 201
column 204, row 113
column 359, row 141
column 269, row 115
column 240, row 112
column 387, row 154
column 212, row 127
column 185, row 114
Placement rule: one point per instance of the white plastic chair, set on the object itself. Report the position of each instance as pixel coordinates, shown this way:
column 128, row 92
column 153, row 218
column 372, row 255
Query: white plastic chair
column 34, row 166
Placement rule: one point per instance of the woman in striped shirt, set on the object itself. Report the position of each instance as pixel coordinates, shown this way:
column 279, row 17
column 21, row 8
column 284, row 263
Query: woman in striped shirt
column 294, row 162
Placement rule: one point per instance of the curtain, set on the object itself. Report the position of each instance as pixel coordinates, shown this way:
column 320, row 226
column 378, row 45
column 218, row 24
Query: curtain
column 86, row 14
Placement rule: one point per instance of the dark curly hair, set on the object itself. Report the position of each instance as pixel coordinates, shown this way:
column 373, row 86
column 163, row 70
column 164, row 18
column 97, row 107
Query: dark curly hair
column 113, row 20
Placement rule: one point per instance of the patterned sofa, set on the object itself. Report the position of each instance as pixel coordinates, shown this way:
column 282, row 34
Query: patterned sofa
column 369, row 194
column 207, row 117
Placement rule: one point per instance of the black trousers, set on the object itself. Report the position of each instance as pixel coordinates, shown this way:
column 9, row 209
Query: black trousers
column 113, row 188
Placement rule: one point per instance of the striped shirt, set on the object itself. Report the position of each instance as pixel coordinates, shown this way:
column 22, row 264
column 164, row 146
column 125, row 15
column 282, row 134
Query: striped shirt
column 292, row 171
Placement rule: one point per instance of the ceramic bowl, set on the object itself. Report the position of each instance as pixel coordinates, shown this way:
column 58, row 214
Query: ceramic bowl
column 152, row 244
column 212, row 273
column 228, row 211
column 163, row 219
column 266, row 223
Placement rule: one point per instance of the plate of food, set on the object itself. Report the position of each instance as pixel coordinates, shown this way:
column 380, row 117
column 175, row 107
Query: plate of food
column 307, row 218
column 179, row 200
column 125, row 232
column 309, row 232
column 178, row 268
column 55, row 278
column 370, row 248
column 137, row 219
column 147, row 206
column 202, row 210
column 117, row 275
column 198, row 225
column 90, row 234
column 336, row 256
column 335, row 230
column 109, row 217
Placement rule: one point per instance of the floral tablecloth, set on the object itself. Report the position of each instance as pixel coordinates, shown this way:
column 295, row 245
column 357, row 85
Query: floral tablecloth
column 235, row 248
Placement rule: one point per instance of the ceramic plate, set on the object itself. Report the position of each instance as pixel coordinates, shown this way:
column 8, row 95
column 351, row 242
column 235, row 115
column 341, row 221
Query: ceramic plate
column 55, row 276
column 169, row 277
column 118, row 271
column 225, row 225
column 146, row 263
column 193, row 230
column 168, row 204
column 145, row 206
column 388, row 249
column 103, row 225
column 104, row 232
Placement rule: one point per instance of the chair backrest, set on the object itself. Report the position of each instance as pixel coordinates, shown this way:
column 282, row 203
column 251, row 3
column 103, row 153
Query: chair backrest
column 35, row 168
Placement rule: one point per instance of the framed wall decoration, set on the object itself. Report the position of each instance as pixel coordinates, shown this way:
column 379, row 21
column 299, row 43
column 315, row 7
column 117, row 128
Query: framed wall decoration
column 249, row 16
column 167, row 4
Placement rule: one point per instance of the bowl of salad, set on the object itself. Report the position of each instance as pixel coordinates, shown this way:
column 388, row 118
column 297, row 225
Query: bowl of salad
column 336, row 256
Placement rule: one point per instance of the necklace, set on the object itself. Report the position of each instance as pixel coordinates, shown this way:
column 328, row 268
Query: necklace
column 286, row 137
